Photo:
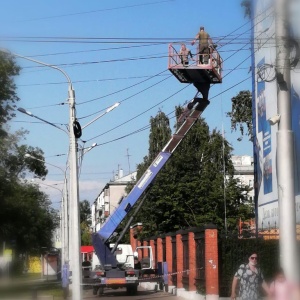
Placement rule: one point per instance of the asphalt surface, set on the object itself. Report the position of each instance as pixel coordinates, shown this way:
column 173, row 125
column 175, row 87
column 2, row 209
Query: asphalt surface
column 119, row 294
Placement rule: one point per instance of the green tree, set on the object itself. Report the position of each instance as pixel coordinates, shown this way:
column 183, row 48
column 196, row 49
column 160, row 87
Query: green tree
column 86, row 237
column 189, row 191
column 241, row 114
column 27, row 220
column 160, row 133
column 85, row 212
column 8, row 95
column 85, row 222
column 246, row 4
column 25, row 211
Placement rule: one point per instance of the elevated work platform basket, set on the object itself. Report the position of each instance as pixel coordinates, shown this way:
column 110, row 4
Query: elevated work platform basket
column 201, row 68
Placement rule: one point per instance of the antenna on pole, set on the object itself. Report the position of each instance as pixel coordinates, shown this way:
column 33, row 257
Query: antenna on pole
column 224, row 166
column 224, row 180
column 128, row 155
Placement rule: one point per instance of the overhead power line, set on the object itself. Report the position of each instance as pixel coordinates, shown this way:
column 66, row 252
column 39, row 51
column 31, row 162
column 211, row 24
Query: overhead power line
column 145, row 127
column 95, row 11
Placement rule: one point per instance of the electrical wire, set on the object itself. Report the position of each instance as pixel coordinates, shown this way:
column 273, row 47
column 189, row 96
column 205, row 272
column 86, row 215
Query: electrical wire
column 93, row 50
column 36, row 122
column 145, row 127
column 148, row 88
column 124, row 89
column 164, row 71
column 154, row 75
column 137, row 93
column 164, row 100
column 148, row 126
column 140, row 114
column 95, row 11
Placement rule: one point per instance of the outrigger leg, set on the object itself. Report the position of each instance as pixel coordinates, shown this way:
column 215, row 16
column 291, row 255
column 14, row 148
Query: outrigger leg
column 203, row 88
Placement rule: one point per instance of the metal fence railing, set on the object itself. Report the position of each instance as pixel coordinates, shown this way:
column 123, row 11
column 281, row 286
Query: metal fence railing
column 209, row 60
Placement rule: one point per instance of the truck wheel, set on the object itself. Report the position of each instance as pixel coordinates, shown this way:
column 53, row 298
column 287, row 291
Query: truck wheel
column 101, row 290
column 131, row 290
column 134, row 290
column 95, row 290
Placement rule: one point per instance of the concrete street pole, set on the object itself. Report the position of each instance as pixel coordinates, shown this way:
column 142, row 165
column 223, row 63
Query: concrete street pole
column 285, row 146
column 65, row 230
column 75, row 242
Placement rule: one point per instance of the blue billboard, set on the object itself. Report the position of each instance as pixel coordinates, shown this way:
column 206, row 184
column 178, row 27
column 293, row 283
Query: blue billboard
column 265, row 107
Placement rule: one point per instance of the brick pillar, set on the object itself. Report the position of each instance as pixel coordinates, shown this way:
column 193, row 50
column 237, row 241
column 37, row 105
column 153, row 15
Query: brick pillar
column 169, row 257
column 159, row 254
column 153, row 251
column 133, row 242
column 133, row 235
column 192, row 261
column 211, row 264
column 179, row 251
column 139, row 251
column 145, row 251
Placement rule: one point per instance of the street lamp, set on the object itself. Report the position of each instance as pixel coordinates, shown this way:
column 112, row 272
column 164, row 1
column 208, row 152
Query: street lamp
column 101, row 115
column 64, row 211
column 26, row 112
column 74, row 133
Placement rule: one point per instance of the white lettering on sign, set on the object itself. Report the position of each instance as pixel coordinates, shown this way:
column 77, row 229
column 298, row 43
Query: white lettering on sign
column 145, row 179
column 158, row 160
column 270, row 213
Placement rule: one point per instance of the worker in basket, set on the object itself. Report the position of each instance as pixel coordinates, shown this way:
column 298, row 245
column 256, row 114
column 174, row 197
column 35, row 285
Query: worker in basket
column 204, row 43
column 184, row 55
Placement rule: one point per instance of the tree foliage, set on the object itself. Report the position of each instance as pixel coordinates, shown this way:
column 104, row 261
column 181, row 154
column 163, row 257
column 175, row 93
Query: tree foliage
column 241, row 114
column 85, row 211
column 246, row 4
column 8, row 95
column 189, row 191
column 27, row 220
column 26, row 216
column 85, row 222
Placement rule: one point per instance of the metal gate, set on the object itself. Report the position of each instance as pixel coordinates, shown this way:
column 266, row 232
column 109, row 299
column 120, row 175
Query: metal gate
column 200, row 262
column 185, row 248
column 174, row 261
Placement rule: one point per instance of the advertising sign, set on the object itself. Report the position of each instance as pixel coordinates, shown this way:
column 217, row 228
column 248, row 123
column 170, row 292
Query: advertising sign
column 265, row 107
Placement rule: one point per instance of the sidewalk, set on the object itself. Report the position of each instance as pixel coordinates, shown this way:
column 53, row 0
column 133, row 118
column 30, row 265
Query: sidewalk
column 27, row 288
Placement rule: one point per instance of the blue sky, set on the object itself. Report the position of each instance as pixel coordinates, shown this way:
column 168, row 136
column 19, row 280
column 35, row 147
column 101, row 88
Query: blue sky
column 113, row 51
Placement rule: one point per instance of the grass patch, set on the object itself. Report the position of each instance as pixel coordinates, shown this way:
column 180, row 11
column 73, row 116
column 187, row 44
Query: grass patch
column 55, row 292
column 25, row 289
column 28, row 276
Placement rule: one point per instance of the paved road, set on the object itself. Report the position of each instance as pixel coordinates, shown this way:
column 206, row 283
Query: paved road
column 120, row 294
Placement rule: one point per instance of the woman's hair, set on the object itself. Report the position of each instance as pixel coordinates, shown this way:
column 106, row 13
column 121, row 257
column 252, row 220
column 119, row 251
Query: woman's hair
column 249, row 253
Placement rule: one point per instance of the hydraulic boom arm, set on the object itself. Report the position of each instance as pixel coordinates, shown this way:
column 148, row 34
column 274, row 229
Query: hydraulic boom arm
column 101, row 238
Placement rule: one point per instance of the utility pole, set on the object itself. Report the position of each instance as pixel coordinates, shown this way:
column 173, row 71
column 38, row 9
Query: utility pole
column 128, row 155
column 285, row 146
column 75, row 240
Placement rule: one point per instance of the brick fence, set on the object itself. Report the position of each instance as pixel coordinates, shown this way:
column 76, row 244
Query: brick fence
column 191, row 257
